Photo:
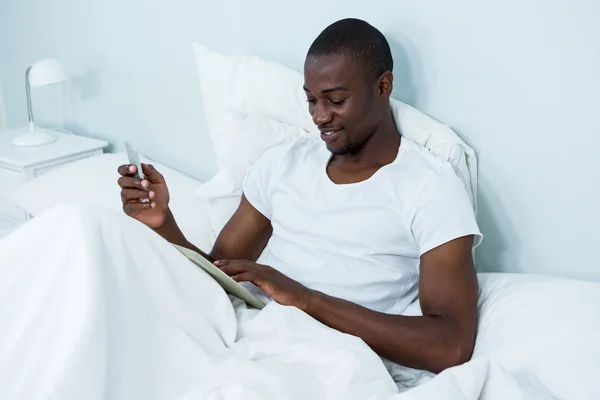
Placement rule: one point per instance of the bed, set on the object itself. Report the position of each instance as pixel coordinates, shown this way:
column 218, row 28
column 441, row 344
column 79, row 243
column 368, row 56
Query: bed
column 538, row 337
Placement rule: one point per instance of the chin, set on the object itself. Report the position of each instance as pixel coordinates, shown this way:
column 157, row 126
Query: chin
column 342, row 150
column 337, row 150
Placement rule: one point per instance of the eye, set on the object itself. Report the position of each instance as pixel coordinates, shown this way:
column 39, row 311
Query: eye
column 337, row 102
column 311, row 101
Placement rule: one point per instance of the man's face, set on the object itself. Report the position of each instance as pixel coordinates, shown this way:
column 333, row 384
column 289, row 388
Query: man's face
column 344, row 105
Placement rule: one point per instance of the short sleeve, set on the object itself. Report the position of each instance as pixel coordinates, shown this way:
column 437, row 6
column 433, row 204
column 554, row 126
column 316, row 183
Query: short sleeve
column 442, row 212
column 260, row 178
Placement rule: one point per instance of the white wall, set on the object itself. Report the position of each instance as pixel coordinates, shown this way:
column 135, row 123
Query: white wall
column 520, row 81
column 1, row 113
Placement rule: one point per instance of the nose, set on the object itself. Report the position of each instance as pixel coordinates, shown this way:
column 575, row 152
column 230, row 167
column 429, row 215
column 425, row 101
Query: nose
column 321, row 114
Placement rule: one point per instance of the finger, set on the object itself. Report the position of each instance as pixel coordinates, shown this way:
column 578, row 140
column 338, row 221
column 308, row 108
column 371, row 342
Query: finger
column 151, row 204
column 234, row 261
column 152, row 174
column 221, row 263
column 134, row 207
column 235, row 269
column 135, row 194
column 245, row 277
column 127, row 182
column 127, row 170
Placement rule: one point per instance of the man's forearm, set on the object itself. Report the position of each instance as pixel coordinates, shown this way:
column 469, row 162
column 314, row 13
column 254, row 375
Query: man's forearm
column 432, row 343
column 172, row 233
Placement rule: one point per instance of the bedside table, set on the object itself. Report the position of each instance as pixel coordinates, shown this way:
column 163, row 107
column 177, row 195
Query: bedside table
column 21, row 164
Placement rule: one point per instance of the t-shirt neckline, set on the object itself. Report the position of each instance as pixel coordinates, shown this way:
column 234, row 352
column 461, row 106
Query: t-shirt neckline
column 369, row 179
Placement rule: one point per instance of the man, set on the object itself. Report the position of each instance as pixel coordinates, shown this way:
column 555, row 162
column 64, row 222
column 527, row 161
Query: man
column 353, row 227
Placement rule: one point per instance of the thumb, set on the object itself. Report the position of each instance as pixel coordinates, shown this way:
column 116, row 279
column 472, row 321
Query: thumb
column 152, row 174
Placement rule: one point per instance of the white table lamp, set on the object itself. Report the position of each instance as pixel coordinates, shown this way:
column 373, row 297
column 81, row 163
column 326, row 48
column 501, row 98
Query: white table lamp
column 41, row 73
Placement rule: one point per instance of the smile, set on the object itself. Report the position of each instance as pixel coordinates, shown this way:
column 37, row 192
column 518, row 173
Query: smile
column 330, row 136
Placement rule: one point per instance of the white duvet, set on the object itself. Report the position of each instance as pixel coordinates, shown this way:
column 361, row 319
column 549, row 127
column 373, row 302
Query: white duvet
column 94, row 305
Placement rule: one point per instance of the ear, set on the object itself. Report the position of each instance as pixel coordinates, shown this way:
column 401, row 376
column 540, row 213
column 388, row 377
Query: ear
column 386, row 84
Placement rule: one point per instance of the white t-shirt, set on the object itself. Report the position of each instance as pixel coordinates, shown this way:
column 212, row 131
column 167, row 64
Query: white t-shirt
column 362, row 241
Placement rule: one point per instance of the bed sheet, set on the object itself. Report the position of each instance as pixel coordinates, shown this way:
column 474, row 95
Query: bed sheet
column 95, row 305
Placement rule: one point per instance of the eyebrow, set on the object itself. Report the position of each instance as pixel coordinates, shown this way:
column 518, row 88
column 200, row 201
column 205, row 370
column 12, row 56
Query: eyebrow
column 333, row 89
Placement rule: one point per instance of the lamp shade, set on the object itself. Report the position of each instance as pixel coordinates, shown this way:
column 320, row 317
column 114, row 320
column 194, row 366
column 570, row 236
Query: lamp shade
column 46, row 72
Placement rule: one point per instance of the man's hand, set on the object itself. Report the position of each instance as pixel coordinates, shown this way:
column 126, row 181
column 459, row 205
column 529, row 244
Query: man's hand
column 279, row 287
column 146, row 200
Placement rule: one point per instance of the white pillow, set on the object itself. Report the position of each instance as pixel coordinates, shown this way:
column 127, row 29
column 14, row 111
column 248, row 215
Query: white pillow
column 249, row 85
column 94, row 180
column 545, row 327
column 255, row 135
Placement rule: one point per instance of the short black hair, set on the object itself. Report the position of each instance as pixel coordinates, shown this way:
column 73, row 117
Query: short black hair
column 364, row 43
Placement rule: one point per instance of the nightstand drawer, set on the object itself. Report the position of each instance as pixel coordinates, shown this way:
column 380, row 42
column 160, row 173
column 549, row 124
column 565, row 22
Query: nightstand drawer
column 9, row 180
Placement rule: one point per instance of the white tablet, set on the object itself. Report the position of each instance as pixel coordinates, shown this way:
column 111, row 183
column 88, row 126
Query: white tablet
column 232, row 287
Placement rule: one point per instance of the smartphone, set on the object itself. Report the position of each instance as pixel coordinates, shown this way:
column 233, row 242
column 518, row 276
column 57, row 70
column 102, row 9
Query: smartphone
column 134, row 159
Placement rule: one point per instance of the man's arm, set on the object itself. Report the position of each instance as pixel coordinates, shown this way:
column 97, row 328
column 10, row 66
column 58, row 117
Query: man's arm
column 443, row 337
column 244, row 236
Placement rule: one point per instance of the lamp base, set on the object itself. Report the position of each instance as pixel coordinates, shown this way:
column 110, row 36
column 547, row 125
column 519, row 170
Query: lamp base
column 39, row 137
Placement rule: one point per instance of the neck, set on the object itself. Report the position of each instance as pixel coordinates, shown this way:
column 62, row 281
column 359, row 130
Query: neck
column 380, row 149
